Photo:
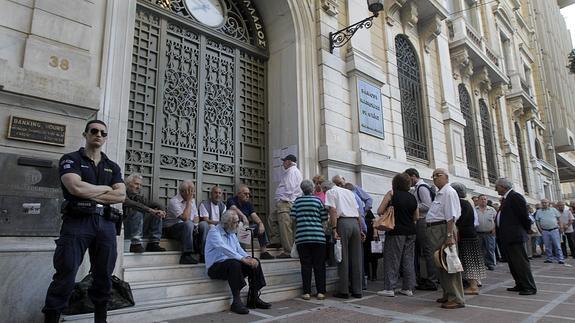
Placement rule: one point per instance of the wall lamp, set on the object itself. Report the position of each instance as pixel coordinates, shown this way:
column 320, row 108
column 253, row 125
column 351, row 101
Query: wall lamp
column 341, row 37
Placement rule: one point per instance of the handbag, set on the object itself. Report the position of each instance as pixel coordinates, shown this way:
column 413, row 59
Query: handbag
column 453, row 263
column 386, row 222
column 80, row 303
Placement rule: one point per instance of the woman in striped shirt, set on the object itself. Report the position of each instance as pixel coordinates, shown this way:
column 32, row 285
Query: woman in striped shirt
column 308, row 212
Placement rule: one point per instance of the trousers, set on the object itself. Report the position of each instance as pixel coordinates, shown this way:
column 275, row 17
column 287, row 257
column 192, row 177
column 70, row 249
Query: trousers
column 78, row 234
column 281, row 227
column 138, row 225
column 235, row 272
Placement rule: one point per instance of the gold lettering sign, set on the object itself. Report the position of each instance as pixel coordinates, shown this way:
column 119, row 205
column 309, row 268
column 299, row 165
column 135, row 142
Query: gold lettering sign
column 36, row 131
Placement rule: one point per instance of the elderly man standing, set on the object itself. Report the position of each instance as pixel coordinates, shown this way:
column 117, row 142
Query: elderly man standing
column 346, row 225
column 141, row 217
column 181, row 218
column 513, row 223
column 424, row 195
column 486, row 230
column 226, row 260
column 440, row 223
column 566, row 221
column 547, row 219
column 288, row 190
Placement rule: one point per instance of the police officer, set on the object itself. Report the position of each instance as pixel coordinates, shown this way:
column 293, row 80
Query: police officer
column 90, row 183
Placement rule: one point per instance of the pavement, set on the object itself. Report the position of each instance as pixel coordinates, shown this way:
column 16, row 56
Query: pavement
column 554, row 302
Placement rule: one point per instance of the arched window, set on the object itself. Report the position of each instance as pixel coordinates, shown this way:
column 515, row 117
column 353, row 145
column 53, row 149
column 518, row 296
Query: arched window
column 411, row 101
column 538, row 151
column 488, row 141
column 470, row 144
column 522, row 162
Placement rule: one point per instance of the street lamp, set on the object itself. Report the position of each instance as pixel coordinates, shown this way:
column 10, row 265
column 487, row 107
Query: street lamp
column 341, row 37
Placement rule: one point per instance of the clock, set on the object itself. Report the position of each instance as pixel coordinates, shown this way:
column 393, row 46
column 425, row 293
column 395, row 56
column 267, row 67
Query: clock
column 209, row 12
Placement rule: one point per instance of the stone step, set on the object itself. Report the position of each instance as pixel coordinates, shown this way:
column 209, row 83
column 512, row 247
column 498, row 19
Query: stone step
column 149, row 291
column 167, row 272
column 160, row 310
column 174, row 245
column 151, row 259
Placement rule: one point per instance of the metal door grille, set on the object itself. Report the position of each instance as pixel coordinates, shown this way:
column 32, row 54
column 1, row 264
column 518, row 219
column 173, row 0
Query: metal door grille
column 488, row 141
column 197, row 111
column 411, row 101
column 469, row 133
column 522, row 161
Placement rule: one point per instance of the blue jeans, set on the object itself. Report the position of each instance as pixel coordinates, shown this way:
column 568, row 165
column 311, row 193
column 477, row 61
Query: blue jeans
column 552, row 241
column 488, row 246
column 138, row 223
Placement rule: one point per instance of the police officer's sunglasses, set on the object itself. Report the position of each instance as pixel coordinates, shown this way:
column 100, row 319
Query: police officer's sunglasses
column 95, row 131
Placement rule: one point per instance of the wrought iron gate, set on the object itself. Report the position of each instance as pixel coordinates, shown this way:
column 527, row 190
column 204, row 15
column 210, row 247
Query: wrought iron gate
column 197, row 111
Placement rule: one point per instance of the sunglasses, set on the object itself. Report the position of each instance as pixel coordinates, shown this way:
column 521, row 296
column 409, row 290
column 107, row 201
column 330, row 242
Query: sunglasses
column 95, row 131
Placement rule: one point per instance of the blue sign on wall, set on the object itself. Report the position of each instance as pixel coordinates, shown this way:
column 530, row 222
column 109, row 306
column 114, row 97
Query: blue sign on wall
column 370, row 110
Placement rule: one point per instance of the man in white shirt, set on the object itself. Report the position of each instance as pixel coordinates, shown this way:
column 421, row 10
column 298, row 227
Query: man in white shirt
column 288, row 190
column 440, row 222
column 345, row 222
column 566, row 222
column 180, row 218
column 210, row 212
column 486, row 231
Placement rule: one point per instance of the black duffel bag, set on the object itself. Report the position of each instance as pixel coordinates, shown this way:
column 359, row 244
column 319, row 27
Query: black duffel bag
column 80, row 302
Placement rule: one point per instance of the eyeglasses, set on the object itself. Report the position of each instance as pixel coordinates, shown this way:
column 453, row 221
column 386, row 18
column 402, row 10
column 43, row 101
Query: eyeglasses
column 95, row 131
column 236, row 222
column 437, row 175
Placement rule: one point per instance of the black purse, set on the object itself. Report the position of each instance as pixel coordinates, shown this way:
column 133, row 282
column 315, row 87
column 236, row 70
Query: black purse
column 80, row 302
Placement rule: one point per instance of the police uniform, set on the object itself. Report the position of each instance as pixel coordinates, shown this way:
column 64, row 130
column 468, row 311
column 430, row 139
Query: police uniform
column 86, row 225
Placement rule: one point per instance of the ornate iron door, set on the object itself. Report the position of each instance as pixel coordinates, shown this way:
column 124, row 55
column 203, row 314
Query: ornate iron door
column 197, row 111
column 469, row 133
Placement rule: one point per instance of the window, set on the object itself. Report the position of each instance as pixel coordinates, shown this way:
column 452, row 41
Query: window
column 538, row 150
column 522, row 162
column 489, row 148
column 411, row 99
column 469, row 134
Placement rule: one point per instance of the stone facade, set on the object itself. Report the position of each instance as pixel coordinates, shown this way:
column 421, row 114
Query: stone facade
column 488, row 92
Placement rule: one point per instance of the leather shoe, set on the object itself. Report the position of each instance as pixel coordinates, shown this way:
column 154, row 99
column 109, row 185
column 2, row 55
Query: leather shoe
column 341, row 295
column 239, row 308
column 514, row 289
column 452, row 305
column 283, row 255
column 266, row 256
column 188, row 260
column 136, row 248
column 155, row 247
column 441, row 300
column 261, row 304
column 357, row 295
column 528, row 292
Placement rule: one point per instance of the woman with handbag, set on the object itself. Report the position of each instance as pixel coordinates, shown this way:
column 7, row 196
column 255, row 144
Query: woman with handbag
column 400, row 207
column 468, row 243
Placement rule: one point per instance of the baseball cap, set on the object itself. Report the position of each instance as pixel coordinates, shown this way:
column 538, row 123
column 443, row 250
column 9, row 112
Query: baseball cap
column 290, row 157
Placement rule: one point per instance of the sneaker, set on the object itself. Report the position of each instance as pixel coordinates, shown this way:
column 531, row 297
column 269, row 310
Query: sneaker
column 388, row 293
column 266, row 256
column 406, row 292
column 305, row 297
column 188, row 260
column 154, row 247
column 136, row 248
column 320, row 296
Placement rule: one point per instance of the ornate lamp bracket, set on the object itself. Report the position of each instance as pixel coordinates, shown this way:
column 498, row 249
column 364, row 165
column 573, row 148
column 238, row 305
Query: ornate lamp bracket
column 341, row 37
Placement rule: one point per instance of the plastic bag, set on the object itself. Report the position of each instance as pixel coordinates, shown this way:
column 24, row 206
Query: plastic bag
column 294, row 253
column 453, row 263
column 245, row 235
column 337, row 251
column 376, row 246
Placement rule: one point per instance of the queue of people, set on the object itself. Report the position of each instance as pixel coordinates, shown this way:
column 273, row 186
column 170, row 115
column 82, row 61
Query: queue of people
column 309, row 216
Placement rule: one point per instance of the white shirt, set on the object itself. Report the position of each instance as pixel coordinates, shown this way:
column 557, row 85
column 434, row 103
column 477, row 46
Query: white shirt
column 215, row 212
column 564, row 219
column 344, row 202
column 288, row 189
column 176, row 207
column 446, row 206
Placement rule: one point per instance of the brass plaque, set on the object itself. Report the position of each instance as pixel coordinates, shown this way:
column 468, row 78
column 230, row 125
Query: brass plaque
column 36, row 131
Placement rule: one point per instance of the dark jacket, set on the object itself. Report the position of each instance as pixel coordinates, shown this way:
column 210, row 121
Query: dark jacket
column 514, row 220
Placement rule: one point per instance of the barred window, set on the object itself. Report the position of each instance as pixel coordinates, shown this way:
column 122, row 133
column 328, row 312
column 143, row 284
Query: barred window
column 411, row 99
column 489, row 147
column 522, row 162
column 469, row 133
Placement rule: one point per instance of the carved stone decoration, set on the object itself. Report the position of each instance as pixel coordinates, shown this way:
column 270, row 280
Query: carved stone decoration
column 461, row 64
column 409, row 15
column 429, row 30
column 499, row 90
column 331, row 7
column 392, row 9
column 516, row 107
column 481, row 80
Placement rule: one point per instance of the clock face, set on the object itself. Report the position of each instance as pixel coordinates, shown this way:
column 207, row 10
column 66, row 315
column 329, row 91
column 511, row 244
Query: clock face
column 208, row 12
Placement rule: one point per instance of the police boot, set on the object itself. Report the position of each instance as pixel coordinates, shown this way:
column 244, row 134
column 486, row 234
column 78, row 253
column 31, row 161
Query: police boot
column 100, row 314
column 51, row 317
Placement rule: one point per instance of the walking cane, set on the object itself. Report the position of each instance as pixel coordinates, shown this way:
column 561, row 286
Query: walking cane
column 252, row 240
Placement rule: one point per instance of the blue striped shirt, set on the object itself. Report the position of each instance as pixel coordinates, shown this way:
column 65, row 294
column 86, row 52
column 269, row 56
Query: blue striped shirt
column 309, row 212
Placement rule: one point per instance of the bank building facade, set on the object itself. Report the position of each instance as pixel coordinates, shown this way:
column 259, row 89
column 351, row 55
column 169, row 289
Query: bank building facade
column 218, row 91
